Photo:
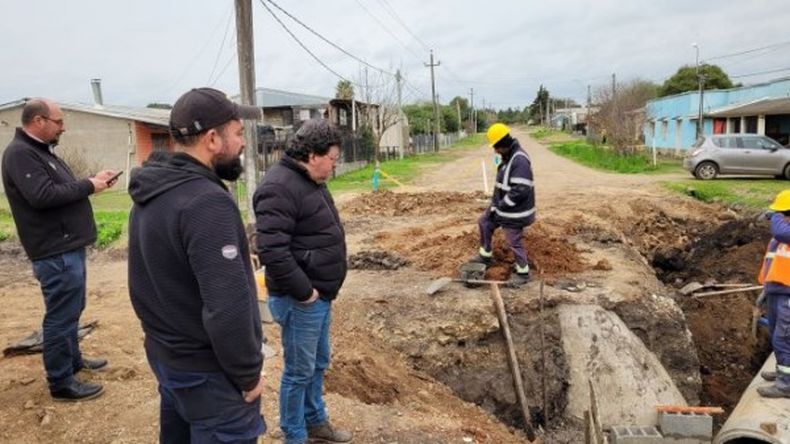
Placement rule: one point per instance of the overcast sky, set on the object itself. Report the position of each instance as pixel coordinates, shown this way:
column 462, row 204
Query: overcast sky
column 152, row 51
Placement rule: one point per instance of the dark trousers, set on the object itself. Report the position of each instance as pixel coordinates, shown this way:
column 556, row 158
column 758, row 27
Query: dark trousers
column 514, row 237
column 62, row 279
column 203, row 408
column 781, row 341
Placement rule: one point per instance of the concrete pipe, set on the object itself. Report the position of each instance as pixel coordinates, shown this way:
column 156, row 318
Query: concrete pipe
column 757, row 419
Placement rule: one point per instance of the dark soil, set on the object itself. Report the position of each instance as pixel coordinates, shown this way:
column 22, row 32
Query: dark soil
column 376, row 260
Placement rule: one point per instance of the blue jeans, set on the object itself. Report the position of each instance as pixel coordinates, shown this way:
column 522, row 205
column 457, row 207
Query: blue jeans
column 62, row 279
column 203, row 408
column 305, row 338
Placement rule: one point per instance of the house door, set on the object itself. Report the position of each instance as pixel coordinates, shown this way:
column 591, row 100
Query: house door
column 678, row 134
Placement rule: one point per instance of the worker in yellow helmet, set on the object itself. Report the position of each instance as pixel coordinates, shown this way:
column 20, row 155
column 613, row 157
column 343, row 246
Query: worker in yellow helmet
column 512, row 204
column 775, row 278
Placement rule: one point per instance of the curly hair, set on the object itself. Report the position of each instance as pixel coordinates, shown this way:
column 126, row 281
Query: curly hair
column 314, row 137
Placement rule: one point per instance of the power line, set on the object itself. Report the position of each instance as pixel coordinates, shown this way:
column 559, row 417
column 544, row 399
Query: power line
column 296, row 39
column 417, row 56
column 748, row 51
column 314, row 32
column 770, row 71
column 219, row 51
column 390, row 11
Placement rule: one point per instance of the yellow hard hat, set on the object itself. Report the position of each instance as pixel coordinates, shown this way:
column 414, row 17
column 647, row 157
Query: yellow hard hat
column 496, row 132
column 782, row 201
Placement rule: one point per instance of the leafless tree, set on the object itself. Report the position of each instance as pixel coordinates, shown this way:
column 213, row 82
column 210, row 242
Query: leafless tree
column 382, row 111
column 620, row 114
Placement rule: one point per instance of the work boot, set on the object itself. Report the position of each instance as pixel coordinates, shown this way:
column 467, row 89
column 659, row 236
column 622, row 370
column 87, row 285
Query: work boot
column 769, row 376
column 772, row 391
column 324, row 433
column 518, row 279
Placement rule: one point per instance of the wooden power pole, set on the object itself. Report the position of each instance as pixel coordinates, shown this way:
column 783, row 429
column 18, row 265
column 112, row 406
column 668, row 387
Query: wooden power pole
column 435, row 109
column 246, row 56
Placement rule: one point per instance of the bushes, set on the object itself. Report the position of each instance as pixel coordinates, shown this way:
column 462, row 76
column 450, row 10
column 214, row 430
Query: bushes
column 110, row 226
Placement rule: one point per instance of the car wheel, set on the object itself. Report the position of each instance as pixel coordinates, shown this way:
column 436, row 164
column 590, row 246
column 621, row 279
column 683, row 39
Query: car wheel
column 786, row 172
column 707, row 171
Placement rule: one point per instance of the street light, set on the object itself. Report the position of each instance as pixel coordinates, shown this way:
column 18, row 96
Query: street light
column 701, row 91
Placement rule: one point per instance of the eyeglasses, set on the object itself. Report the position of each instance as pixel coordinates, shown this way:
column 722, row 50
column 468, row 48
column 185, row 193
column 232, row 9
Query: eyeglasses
column 58, row 122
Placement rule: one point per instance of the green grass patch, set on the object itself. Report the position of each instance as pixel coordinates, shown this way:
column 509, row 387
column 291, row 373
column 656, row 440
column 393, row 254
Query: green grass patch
column 403, row 170
column 542, row 133
column 110, row 226
column 754, row 194
column 603, row 158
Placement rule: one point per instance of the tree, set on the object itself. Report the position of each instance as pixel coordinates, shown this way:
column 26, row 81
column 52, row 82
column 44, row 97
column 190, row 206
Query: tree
column 685, row 79
column 159, row 106
column 344, row 90
column 537, row 109
column 420, row 117
column 618, row 112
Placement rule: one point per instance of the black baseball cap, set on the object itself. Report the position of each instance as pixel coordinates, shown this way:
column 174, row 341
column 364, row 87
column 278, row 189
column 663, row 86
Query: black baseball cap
column 201, row 109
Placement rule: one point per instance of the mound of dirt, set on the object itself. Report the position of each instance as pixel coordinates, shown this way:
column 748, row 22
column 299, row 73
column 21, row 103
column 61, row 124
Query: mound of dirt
column 388, row 203
column 376, row 260
column 731, row 253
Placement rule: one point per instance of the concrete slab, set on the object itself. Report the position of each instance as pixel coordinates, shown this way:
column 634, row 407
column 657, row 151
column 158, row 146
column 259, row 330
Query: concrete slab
column 636, row 435
column 629, row 380
column 686, row 425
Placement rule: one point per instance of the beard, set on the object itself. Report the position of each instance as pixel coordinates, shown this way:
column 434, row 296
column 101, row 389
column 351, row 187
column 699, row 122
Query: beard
column 228, row 168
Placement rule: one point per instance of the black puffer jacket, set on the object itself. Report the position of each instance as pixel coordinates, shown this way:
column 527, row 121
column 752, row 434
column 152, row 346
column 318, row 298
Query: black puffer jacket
column 300, row 238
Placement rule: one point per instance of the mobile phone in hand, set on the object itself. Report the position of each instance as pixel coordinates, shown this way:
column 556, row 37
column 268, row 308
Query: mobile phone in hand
column 114, row 178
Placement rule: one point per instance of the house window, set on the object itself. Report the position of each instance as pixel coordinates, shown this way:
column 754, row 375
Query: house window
column 342, row 117
column 664, row 129
column 304, row 114
column 160, row 142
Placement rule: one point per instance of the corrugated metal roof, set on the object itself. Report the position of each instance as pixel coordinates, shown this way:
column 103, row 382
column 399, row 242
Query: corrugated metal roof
column 147, row 115
column 274, row 98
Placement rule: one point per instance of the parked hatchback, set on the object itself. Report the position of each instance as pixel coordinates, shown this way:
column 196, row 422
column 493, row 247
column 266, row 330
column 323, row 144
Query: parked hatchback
column 750, row 154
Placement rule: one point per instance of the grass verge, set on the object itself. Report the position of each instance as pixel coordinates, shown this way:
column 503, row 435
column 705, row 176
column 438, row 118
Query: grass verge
column 754, row 194
column 603, row 158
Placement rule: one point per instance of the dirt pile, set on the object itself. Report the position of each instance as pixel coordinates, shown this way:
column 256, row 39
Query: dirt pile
column 375, row 260
column 388, row 203
column 730, row 253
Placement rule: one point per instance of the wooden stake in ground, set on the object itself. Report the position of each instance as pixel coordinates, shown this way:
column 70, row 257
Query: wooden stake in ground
column 512, row 361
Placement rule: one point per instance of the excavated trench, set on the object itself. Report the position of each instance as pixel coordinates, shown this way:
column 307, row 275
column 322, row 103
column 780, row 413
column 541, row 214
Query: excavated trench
column 455, row 338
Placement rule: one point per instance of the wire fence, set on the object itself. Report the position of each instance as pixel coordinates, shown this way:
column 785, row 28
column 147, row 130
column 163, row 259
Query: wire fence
column 356, row 151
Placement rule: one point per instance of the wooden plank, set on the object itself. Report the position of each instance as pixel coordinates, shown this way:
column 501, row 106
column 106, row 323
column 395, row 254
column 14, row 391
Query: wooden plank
column 512, row 361
column 598, row 437
column 687, row 409
column 719, row 292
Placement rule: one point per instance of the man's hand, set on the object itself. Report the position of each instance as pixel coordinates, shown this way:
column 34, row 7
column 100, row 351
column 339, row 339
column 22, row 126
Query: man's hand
column 255, row 393
column 101, row 181
column 314, row 297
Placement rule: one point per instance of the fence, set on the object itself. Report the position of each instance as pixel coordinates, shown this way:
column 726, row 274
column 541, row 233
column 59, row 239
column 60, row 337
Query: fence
column 355, row 151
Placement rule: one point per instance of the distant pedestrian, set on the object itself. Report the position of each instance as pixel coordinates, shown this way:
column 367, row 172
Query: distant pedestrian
column 302, row 243
column 775, row 277
column 191, row 280
column 512, row 203
column 54, row 221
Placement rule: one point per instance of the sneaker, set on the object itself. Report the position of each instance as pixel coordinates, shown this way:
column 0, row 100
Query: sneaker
column 772, row 391
column 325, row 433
column 769, row 376
column 518, row 279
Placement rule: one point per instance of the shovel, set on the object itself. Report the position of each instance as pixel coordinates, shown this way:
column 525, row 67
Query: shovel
column 440, row 284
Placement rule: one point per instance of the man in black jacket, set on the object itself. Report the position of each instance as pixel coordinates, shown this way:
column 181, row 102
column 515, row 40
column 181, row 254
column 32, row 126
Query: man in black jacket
column 54, row 221
column 302, row 243
column 190, row 278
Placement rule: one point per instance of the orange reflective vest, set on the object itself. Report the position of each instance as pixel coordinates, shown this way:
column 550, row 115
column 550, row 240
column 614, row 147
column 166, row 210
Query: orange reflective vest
column 776, row 264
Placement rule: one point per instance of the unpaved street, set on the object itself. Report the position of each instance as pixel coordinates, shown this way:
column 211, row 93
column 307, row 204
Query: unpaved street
column 410, row 368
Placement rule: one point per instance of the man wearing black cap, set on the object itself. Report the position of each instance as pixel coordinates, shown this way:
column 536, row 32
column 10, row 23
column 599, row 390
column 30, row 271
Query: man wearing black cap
column 190, row 277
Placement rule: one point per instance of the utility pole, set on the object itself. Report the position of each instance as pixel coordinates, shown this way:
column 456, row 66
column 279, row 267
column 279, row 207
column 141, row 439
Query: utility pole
column 614, row 85
column 472, row 126
column 458, row 109
column 246, row 56
column 398, row 79
column 435, row 109
column 589, row 113
column 700, row 84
